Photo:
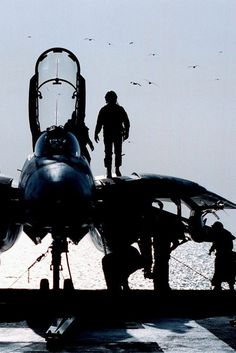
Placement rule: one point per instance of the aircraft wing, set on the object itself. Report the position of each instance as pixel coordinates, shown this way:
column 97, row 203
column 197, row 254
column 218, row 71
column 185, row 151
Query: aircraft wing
column 7, row 191
column 10, row 210
column 160, row 187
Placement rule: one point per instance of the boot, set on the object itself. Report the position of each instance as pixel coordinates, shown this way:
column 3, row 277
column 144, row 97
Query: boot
column 109, row 175
column 118, row 173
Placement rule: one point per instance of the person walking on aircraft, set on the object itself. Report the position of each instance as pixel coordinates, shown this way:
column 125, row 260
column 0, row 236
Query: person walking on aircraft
column 222, row 244
column 114, row 121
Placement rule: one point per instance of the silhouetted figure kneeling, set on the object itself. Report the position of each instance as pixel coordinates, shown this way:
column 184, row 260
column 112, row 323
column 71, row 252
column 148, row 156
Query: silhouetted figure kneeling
column 115, row 123
column 224, row 256
column 119, row 265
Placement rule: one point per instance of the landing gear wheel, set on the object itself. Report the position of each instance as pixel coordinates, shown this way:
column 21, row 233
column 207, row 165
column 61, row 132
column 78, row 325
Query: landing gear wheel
column 68, row 284
column 44, row 284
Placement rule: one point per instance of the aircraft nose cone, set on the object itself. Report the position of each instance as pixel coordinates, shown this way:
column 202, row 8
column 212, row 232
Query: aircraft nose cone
column 58, row 194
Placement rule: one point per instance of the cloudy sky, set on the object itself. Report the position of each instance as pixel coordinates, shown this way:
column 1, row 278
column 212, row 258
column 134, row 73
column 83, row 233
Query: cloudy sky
column 184, row 124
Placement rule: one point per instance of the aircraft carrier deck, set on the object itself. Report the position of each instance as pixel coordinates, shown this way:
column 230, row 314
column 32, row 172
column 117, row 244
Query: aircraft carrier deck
column 136, row 321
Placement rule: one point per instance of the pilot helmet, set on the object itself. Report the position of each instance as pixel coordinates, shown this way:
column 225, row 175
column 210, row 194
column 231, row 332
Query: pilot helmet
column 111, row 97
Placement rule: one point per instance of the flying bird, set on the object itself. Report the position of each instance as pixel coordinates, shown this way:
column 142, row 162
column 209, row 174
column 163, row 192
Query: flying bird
column 193, row 66
column 152, row 54
column 131, row 42
column 135, row 83
column 90, row 39
column 150, row 82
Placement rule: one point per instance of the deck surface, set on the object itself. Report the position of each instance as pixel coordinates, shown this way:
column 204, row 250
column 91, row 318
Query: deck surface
column 140, row 321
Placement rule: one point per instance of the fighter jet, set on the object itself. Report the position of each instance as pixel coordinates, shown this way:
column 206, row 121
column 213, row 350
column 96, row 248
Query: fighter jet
column 58, row 194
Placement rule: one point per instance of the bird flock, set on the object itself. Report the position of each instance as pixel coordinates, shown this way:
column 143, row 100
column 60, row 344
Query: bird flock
column 134, row 83
column 153, row 54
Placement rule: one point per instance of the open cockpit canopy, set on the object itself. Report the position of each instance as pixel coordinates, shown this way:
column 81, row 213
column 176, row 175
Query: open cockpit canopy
column 57, row 90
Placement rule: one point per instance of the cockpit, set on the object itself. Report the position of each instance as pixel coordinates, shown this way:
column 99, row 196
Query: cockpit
column 57, row 90
column 57, row 141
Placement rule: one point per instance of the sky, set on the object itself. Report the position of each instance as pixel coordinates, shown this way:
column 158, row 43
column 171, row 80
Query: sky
column 181, row 125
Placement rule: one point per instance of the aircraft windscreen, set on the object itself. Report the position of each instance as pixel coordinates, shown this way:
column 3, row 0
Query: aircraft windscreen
column 57, row 88
column 57, row 142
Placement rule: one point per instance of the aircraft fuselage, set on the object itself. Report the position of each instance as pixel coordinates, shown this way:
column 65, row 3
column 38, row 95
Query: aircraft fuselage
column 56, row 189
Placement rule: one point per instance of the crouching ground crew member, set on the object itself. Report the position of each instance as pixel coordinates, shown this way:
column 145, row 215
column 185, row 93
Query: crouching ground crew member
column 115, row 123
column 119, row 265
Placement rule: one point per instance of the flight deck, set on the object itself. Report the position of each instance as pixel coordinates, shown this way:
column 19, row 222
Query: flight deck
column 139, row 321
